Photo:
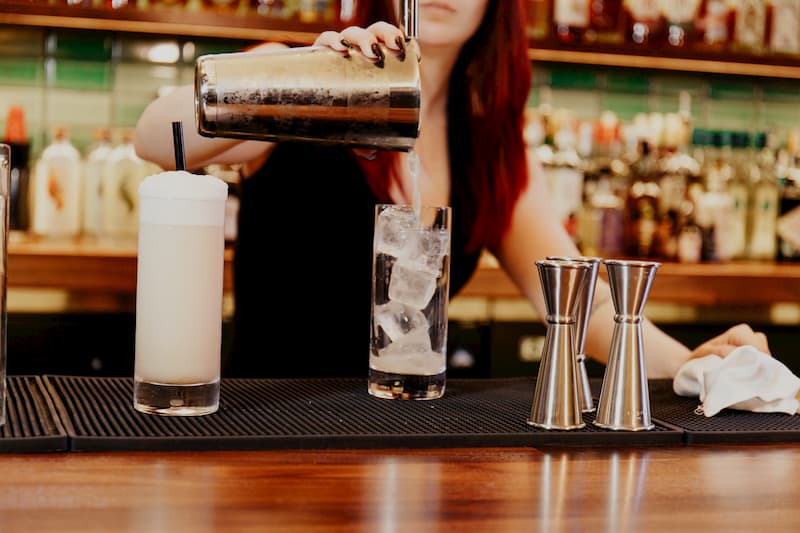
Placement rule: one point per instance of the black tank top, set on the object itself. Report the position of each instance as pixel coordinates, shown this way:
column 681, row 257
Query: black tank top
column 303, row 265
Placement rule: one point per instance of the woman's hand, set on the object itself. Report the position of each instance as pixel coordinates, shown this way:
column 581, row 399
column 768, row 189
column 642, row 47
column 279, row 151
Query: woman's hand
column 366, row 40
column 739, row 335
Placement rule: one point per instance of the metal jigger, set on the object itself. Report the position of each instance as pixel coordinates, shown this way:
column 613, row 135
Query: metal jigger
column 582, row 313
column 555, row 400
column 625, row 399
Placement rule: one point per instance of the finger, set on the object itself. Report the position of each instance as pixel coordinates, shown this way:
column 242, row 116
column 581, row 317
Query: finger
column 392, row 36
column 364, row 39
column 743, row 334
column 331, row 39
column 761, row 343
column 712, row 348
column 720, row 349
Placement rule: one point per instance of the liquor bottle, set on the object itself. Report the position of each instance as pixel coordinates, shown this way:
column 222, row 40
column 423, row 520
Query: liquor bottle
column 55, row 202
column 680, row 18
column 691, row 234
column 602, row 218
column 678, row 170
column 783, row 26
column 538, row 20
column 644, row 23
column 17, row 139
column 570, row 20
column 738, row 187
column 717, row 20
column 605, row 22
column 93, row 170
column 641, row 205
column 120, row 189
column 789, row 207
column 764, row 203
column 230, row 174
column 565, row 179
column 715, row 213
column 750, row 26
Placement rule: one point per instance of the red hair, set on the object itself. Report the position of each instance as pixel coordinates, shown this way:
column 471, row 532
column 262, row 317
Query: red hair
column 488, row 92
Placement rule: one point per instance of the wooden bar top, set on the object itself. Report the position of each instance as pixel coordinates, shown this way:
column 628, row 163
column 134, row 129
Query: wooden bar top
column 93, row 265
column 682, row 488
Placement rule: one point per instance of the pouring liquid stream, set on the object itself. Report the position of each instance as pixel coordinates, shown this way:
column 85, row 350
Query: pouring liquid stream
column 413, row 164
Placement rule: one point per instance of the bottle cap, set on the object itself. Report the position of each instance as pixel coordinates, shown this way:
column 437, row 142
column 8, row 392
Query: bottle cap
column 15, row 126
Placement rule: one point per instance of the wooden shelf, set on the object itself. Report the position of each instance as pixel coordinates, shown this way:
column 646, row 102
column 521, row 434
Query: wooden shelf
column 707, row 284
column 256, row 28
column 625, row 60
column 81, row 265
column 95, row 266
column 162, row 22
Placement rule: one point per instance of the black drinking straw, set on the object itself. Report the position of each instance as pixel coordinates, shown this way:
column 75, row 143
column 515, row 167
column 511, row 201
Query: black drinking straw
column 177, row 142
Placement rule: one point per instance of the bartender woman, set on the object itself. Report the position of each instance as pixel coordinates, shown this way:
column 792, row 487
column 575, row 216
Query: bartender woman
column 302, row 267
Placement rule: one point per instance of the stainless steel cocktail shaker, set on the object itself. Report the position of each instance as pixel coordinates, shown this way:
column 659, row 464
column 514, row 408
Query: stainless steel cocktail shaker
column 313, row 93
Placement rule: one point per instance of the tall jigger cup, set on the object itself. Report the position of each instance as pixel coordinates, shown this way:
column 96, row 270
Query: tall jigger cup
column 582, row 314
column 556, row 402
column 624, row 398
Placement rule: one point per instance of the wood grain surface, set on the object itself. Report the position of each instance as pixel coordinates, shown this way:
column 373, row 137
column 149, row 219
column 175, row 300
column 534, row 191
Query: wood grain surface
column 684, row 488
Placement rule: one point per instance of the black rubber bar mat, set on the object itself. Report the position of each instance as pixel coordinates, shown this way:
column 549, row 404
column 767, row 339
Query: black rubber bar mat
column 32, row 425
column 729, row 426
column 259, row 414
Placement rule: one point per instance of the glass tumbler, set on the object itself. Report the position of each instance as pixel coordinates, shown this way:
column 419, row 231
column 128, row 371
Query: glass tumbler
column 410, row 294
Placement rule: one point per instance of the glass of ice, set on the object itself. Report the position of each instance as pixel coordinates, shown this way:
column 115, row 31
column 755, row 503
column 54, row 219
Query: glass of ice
column 180, row 264
column 410, row 293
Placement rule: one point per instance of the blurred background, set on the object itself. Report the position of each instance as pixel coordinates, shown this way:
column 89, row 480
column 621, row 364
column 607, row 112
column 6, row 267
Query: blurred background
column 668, row 130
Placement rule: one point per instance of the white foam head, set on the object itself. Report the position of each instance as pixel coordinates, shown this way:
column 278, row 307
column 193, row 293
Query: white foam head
column 180, row 198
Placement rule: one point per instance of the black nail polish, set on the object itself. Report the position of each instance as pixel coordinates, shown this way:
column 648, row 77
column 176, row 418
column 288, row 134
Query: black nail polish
column 401, row 43
column 378, row 52
column 346, row 43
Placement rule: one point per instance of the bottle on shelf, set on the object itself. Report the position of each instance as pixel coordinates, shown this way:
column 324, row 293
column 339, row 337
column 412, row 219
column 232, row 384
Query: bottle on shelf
column 17, row 139
column 678, row 169
column 55, row 202
column 789, row 207
column 602, row 214
column 605, row 22
column 680, row 21
column 764, row 202
column 641, row 204
column 644, row 23
column 230, row 174
column 750, row 26
column 565, row 177
column 783, row 27
column 738, row 187
column 538, row 19
column 124, row 172
column 717, row 18
column 570, row 20
column 93, row 170
column 715, row 209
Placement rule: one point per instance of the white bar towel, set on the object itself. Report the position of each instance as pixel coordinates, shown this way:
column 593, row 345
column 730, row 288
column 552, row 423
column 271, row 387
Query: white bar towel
column 747, row 380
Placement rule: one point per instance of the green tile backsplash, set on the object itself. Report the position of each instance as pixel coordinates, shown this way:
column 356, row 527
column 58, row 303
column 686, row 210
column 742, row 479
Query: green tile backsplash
column 89, row 79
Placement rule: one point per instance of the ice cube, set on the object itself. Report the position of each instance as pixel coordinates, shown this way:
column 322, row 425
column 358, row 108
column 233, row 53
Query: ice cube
column 417, row 364
column 429, row 248
column 410, row 354
column 394, row 226
column 397, row 319
column 411, row 285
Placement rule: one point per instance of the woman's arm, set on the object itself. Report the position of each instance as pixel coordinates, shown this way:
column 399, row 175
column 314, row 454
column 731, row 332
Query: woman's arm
column 154, row 133
column 536, row 232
